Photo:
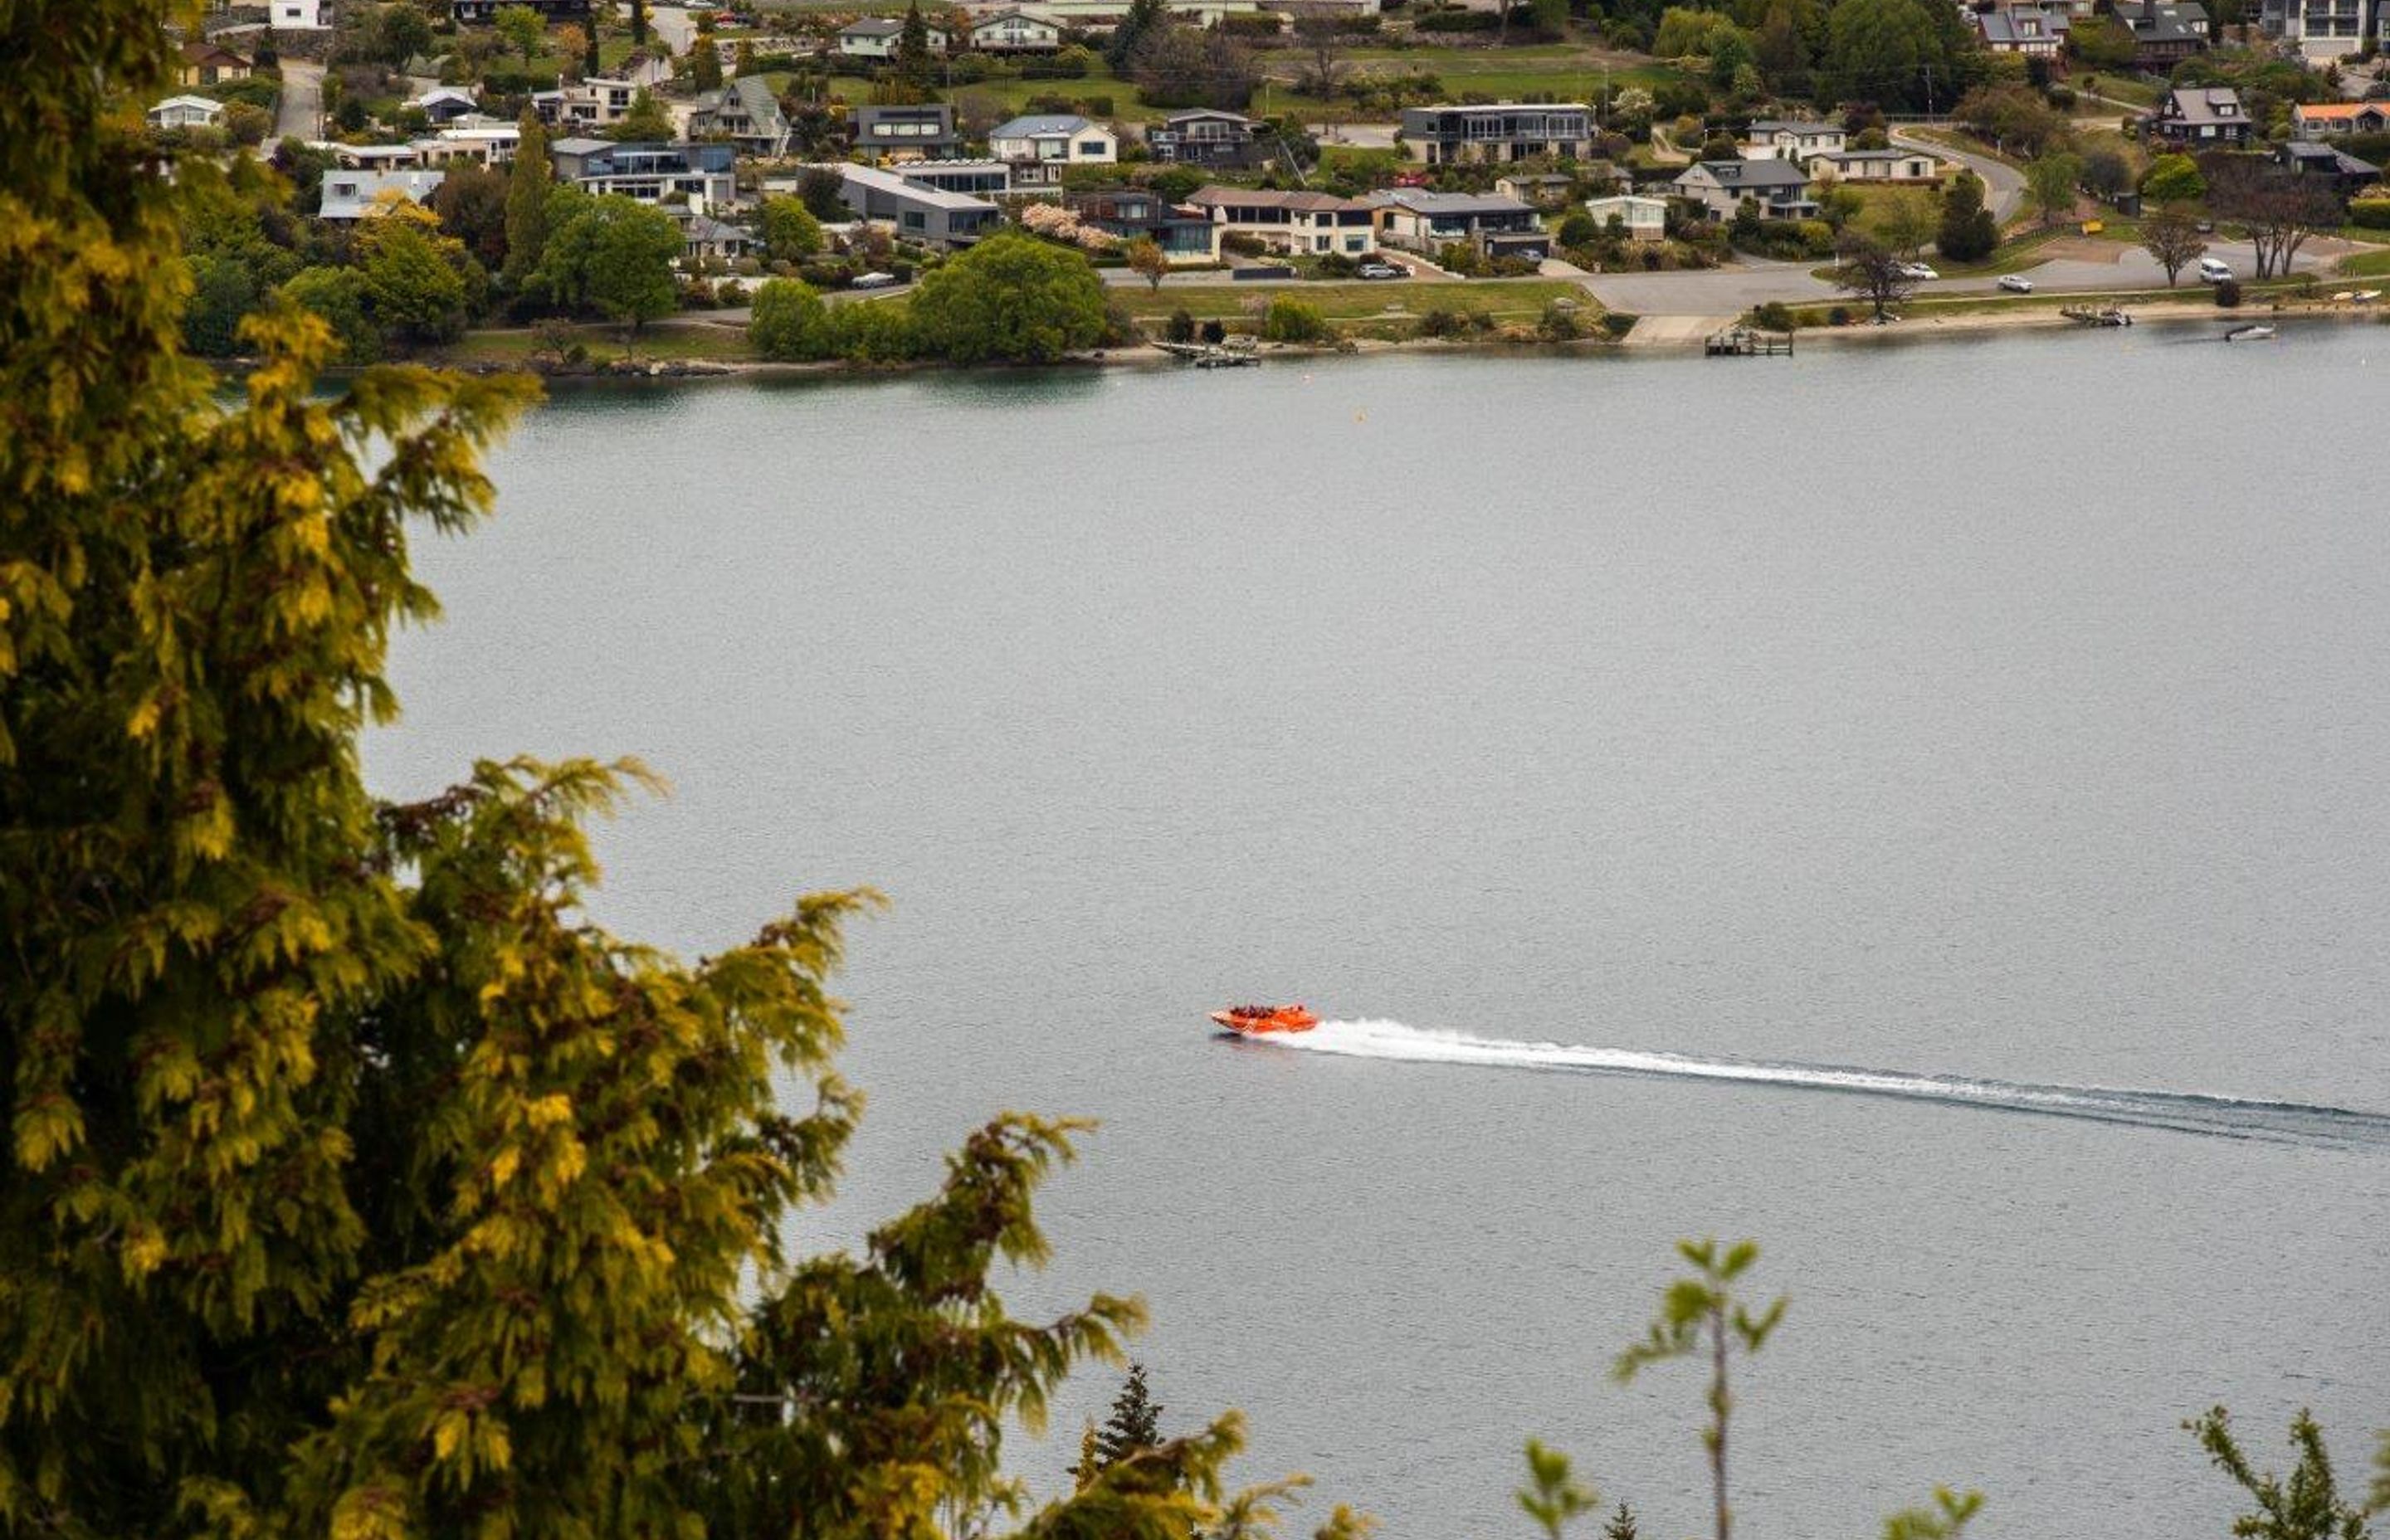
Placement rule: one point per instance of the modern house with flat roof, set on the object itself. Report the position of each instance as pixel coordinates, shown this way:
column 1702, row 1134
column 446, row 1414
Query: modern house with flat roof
column 1186, row 235
column 1301, row 222
column 1504, row 131
column 692, row 175
column 972, row 178
column 916, row 212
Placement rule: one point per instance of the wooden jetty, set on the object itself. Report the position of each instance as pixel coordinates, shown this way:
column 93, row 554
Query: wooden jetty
column 1748, row 342
column 2097, row 315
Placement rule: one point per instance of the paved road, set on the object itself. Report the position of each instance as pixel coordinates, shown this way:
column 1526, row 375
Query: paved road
column 1719, row 291
column 300, row 114
column 673, row 27
column 2004, row 184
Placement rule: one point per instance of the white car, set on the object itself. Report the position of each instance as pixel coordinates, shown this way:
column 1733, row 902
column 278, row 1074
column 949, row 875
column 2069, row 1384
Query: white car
column 1381, row 270
column 875, row 280
column 1918, row 270
column 2016, row 283
column 2214, row 270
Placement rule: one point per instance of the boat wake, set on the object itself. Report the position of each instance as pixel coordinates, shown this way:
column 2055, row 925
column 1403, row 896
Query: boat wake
column 2227, row 1117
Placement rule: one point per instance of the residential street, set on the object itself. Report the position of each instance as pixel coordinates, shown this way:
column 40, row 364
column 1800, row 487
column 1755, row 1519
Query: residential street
column 2003, row 184
column 672, row 26
column 299, row 115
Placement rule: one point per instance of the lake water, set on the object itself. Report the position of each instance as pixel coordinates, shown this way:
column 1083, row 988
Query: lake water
column 1946, row 729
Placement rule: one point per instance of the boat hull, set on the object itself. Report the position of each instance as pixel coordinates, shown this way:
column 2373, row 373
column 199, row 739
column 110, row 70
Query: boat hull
column 1285, row 1018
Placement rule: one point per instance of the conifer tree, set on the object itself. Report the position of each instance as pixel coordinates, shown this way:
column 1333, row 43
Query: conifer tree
column 1134, row 1423
column 1621, row 1524
column 357, row 1183
column 527, row 188
column 913, row 48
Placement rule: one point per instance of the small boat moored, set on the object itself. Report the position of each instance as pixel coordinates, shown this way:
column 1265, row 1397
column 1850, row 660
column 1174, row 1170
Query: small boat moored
column 1252, row 1020
column 2257, row 331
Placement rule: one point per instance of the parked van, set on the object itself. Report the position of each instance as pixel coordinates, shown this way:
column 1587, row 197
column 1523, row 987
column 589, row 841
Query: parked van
column 2214, row 270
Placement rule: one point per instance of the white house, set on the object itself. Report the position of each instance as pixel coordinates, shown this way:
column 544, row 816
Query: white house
column 1014, row 31
column 355, row 195
column 1791, row 139
column 1909, row 168
column 1054, row 138
column 876, row 38
column 1297, row 222
column 186, row 112
column 1645, row 218
column 297, row 16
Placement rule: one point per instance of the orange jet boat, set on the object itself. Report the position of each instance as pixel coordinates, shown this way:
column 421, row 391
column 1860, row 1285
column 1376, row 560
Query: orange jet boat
column 1252, row 1020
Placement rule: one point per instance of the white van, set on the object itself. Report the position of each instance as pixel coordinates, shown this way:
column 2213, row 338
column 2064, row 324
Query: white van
column 2214, row 270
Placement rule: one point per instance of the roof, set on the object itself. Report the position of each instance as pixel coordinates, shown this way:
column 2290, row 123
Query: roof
column 1793, row 125
column 1222, row 113
column 353, row 194
column 209, row 53
column 2155, row 22
column 1614, row 200
column 2334, row 113
column 578, row 146
column 1039, row 125
column 889, row 182
column 2341, row 161
column 1872, row 155
column 2001, row 24
column 202, row 103
column 871, row 26
column 2206, row 104
column 1255, row 197
column 1419, row 200
column 447, row 94
column 1739, row 175
column 755, row 95
column 1011, row 13
column 702, row 228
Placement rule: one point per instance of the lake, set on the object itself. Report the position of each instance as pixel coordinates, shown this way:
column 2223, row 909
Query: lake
column 1924, row 807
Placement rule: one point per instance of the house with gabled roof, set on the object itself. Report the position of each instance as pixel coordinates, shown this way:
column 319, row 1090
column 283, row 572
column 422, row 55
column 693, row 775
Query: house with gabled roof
column 747, row 112
column 186, row 112
column 1014, row 30
column 1299, row 222
column 1039, row 145
column 2330, row 120
column 2202, row 116
column 1778, row 188
column 2165, row 32
column 211, row 64
column 877, row 37
column 1793, row 139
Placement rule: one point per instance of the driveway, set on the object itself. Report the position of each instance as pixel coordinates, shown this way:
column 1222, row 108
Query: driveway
column 1716, row 292
column 2003, row 184
column 300, row 112
column 673, row 27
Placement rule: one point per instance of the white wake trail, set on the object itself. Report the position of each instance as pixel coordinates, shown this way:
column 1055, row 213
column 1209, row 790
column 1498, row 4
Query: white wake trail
column 2231, row 1117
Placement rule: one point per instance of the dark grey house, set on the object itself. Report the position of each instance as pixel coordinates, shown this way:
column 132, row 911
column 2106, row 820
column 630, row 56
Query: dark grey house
column 1207, row 136
column 1504, row 131
column 926, row 130
column 2201, row 117
column 1418, row 220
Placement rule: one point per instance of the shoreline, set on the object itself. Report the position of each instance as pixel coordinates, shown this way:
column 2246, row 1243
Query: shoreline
column 668, row 370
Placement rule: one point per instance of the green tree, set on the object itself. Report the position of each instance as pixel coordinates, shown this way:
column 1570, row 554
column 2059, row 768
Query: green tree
column 222, row 294
column 1947, row 1519
column 358, row 1184
column 913, row 48
column 1621, row 1525
column 645, row 123
column 638, row 24
column 705, row 63
column 1288, row 319
column 522, row 28
column 2173, row 179
column 336, row 296
column 2051, row 184
column 1143, row 18
column 790, row 230
column 413, row 284
column 818, row 188
column 2308, row 1507
column 1905, row 222
column 1705, row 1305
column 614, row 255
column 791, row 322
column 1967, row 232
column 1553, row 1497
column 1134, row 1425
column 1884, row 51
column 527, row 184
column 1009, row 299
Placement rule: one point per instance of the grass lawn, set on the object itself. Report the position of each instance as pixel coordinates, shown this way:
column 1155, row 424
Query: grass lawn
column 2118, row 88
column 1505, row 300
column 680, row 338
column 2253, row 295
column 2366, row 264
column 1014, row 94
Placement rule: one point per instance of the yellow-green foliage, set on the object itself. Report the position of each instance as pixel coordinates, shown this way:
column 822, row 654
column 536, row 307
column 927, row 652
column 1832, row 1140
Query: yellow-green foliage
column 356, row 1185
